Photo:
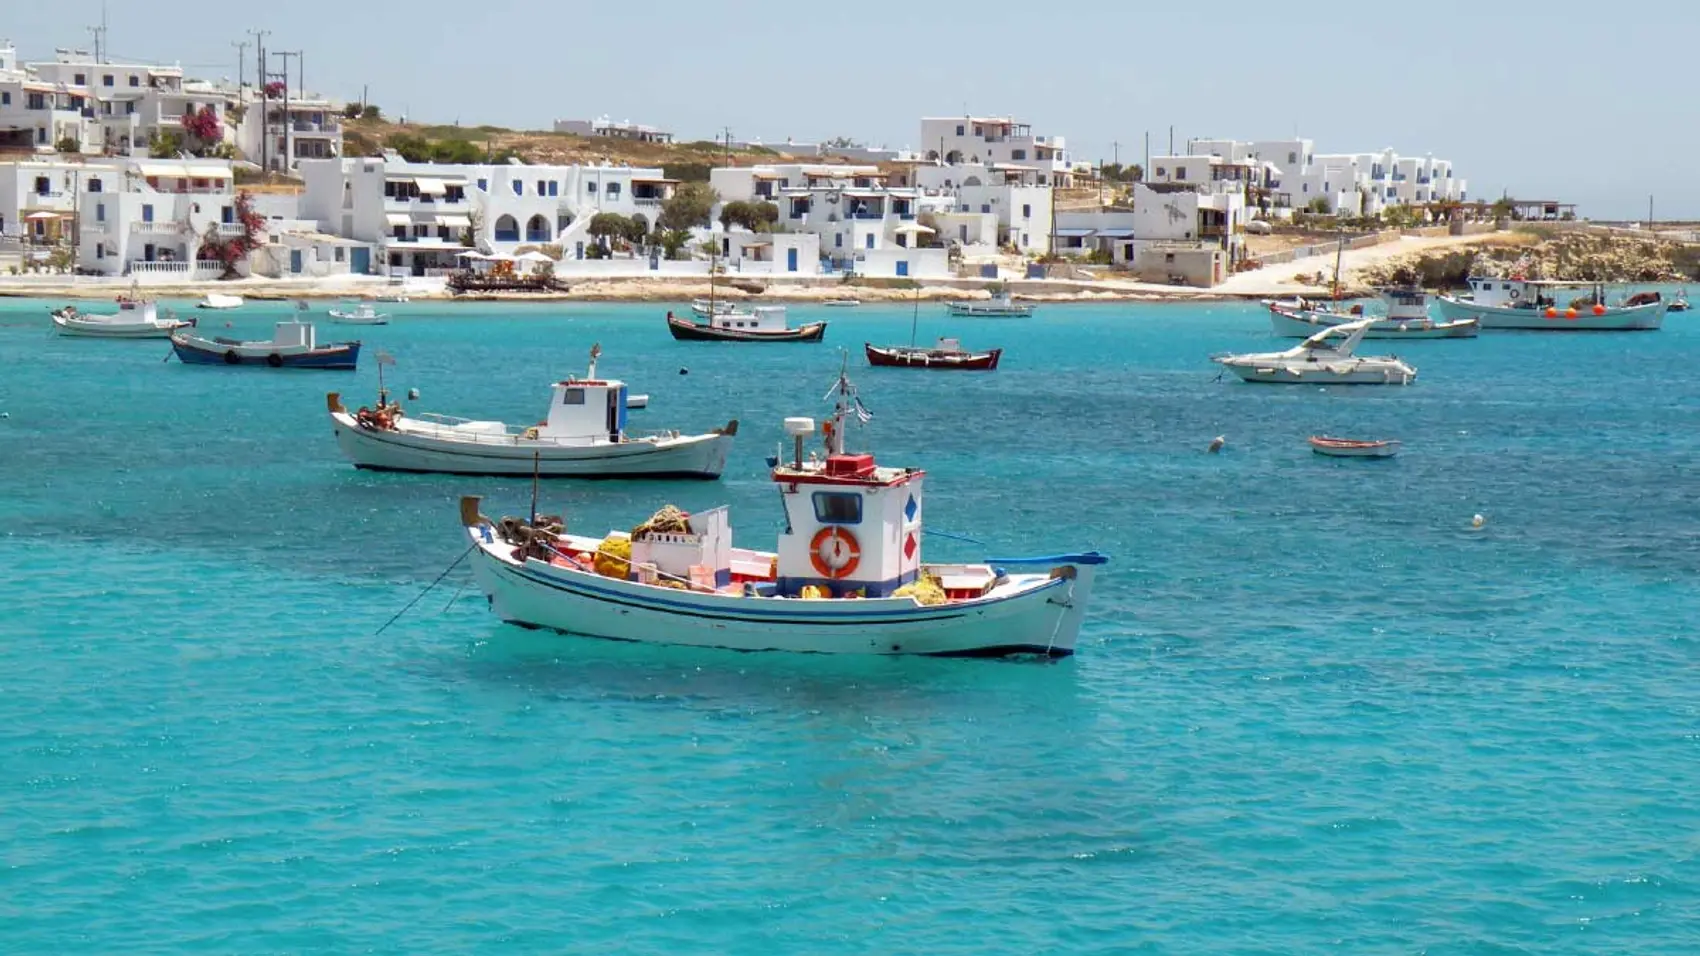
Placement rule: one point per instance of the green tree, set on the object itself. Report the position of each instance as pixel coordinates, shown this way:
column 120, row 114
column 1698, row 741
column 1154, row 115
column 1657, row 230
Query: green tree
column 671, row 241
column 689, row 207
column 1318, row 205
column 456, row 151
column 166, row 145
column 636, row 231
column 414, row 149
column 68, row 144
column 609, row 225
column 1504, row 208
column 371, row 112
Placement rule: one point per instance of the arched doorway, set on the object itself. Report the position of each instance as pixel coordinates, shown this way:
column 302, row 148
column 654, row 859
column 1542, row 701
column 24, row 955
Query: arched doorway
column 507, row 228
column 537, row 229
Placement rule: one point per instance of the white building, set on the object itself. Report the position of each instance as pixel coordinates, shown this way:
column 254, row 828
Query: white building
column 36, row 114
column 421, row 216
column 856, row 214
column 148, row 219
column 280, row 134
column 38, row 197
column 125, row 108
column 607, row 128
column 1013, row 194
column 1341, row 183
column 995, row 140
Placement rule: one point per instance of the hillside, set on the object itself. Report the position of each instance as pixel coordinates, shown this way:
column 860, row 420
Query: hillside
column 686, row 161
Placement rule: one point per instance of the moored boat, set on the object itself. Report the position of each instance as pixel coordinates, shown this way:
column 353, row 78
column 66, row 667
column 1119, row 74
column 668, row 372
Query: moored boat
column 708, row 307
column 842, row 303
column 847, row 576
column 293, row 345
column 1407, row 317
column 1351, row 448
column 765, row 323
column 584, row 436
column 142, row 321
column 1525, row 304
column 947, row 355
column 219, row 300
column 363, row 313
column 1000, row 306
column 1326, row 358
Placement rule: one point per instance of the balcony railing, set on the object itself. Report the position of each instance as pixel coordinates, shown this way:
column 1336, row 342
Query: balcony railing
column 156, row 226
column 302, row 126
column 647, row 201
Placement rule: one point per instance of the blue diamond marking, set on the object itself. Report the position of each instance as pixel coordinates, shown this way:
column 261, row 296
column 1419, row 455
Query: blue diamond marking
column 910, row 508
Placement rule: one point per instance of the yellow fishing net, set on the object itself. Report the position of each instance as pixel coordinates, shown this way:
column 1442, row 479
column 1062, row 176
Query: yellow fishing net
column 925, row 590
column 614, row 558
column 669, row 520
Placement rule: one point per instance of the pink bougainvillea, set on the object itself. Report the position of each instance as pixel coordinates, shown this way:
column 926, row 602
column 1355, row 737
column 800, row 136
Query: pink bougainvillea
column 204, row 125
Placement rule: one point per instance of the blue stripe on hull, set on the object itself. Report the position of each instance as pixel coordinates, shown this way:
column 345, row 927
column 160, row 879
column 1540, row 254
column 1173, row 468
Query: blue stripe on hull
column 326, row 359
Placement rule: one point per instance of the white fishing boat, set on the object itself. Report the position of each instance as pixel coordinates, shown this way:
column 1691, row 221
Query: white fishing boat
column 140, row 321
column 847, row 576
column 219, row 300
column 1000, row 306
column 1351, row 448
column 361, row 313
column 842, row 303
column 1326, row 358
column 1406, row 317
column 1527, row 304
column 583, row 436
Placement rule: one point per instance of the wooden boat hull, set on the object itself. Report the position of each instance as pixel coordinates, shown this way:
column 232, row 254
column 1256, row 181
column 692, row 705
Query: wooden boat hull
column 1640, row 318
column 429, row 451
column 342, row 356
column 1346, row 448
column 936, row 359
column 1041, row 615
column 1302, row 325
column 686, row 331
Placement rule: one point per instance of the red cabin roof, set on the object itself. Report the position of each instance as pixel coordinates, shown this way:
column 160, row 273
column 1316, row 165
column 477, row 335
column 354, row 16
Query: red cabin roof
column 850, row 466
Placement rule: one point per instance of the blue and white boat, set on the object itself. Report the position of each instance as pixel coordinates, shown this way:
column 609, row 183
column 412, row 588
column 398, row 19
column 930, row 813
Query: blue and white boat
column 847, row 576
column 293, row 345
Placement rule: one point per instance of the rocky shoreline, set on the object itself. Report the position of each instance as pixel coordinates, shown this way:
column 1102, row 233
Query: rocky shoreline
column 1568, row 255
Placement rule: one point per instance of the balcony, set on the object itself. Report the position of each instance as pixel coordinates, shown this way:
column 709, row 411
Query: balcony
column 156, row 227
column 328, row 128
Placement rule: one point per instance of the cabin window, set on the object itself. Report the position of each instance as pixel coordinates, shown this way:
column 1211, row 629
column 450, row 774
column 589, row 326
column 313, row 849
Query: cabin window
column 838, row 507
column 572, row 396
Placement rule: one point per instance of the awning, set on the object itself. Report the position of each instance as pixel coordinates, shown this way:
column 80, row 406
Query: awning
column 431, row 187
column 164, row 169
column 208, row 172
column 913, row 227
column 1115, row 233
column 455, row 222
column 1075, row 233
column 398, row 219
column 45, row 215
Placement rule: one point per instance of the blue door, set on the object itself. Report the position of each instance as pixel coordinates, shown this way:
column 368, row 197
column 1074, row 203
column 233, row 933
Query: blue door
column 360, row 260
column 295, row 261
column 790, row 260
column 870, row 240
column 903, row 267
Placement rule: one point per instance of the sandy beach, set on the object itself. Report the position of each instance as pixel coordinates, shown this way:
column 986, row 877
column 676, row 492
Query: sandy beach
column 1277, row 280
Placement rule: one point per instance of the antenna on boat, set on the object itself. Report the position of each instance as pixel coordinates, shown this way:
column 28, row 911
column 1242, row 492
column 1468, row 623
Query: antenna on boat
column 536, row 465
column 915, row 318
column 384, row 358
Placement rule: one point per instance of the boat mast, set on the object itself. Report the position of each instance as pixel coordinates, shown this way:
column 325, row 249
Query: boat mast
column 1339, row 251
column 915, row 319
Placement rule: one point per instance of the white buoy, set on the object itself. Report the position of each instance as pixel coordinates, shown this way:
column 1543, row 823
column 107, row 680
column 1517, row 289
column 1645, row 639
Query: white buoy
column 1477, row 521
column 1217, row 443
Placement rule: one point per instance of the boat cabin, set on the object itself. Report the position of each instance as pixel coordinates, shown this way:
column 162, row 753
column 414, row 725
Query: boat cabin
column 1519, row 293
column 852, row 527
column 1404, row 305
column 586, row 411
column 763, row 318
column 294, row 334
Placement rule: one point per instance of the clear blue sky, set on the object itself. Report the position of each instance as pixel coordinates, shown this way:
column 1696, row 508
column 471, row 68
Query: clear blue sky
column 1584, row 102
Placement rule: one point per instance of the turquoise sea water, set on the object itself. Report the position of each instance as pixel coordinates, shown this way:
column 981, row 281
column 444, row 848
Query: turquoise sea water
column 1312, row 710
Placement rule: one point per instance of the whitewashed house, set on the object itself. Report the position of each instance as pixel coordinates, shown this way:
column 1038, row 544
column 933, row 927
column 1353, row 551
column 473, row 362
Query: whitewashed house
column 606, row 128
column 422, row 216
column 280, row 134
column 38, row 197
column 36, row 114
column 994, row 140
column 1344, row 183
column 148, row 219
column 1012, row 193
column 126, row 107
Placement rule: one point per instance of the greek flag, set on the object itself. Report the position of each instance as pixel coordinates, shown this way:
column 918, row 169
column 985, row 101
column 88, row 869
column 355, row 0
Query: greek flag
column 862, row 412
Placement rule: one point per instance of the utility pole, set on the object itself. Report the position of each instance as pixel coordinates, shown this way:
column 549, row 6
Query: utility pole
column 284, row 116
column 1649, row 213
column 241, row 64
column 728, row 131
column 260, row 82
column 1171, row 140
column 100, row 36
column 1147, row 166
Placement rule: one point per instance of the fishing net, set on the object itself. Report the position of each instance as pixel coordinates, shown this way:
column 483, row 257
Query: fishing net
column 669, row 520
column 926, row 590
column 613, row 558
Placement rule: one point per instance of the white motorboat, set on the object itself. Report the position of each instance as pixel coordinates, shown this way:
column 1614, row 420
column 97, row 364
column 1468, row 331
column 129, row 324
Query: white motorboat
column 363, row 313
column 1000, row 306
column 218, row 300
column 584, row 436
column 1326, row 358
column 842, row 303
column 847, row 576
column 1351, row 448
column 1519, row 303
column 140, row 321
column 1407, row 317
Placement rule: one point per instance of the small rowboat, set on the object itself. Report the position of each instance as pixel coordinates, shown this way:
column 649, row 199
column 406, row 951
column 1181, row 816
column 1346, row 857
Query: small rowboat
column 1348, row 448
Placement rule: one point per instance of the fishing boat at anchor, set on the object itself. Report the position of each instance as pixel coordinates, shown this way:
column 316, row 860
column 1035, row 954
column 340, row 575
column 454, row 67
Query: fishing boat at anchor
column 1407, row 317
column 584, row 436
column 1326, row 358
column 847, row 577
column 362, row 313
column 143, row 321
column 1351, row 448
column 947, row 355
column 764, row 323
column 1000, row 306
column 1531, row 305
column 293, row 345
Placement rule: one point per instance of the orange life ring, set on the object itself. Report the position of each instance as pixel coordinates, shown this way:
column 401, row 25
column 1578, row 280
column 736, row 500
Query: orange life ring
column 842, row 542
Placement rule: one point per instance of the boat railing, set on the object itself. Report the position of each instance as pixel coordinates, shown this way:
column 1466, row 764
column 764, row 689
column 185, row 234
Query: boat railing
column 434, row 425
